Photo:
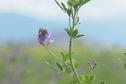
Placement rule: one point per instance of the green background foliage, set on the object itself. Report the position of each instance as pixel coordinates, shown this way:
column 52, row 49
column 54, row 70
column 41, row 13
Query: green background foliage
column 29, row 67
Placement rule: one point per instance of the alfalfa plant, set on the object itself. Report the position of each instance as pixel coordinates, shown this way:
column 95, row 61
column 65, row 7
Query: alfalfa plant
column 71, row 8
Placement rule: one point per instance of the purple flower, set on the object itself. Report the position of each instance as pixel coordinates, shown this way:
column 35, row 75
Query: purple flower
column 93, row 64
column 44, row 37
column 15, row 54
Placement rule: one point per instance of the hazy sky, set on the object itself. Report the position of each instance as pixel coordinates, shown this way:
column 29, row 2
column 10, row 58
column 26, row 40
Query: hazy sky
column 101, row 20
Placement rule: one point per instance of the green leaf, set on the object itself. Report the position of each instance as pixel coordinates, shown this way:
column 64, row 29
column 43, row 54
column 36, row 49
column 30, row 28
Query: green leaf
column 65, row 56
column 84, row 2
column 74, row 33
column 124, row 65
column 70, row 3
column 68, row 69
column 68, row 31
column 102, row 82
column 58, row 4
column 69, row 11
column 92, row 78
column 64, row 7
column 80, row 0
column 87, row 79
column 51, row 66
column 79, row 36
column 77, row 21
column 59, row 66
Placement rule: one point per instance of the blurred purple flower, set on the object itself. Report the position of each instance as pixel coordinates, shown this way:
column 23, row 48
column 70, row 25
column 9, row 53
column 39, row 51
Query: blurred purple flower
column 93, row 64
column 44, row 37
column 15, row 54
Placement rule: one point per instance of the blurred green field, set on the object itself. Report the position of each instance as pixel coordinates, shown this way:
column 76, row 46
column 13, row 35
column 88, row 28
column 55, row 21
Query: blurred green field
column 25, row 64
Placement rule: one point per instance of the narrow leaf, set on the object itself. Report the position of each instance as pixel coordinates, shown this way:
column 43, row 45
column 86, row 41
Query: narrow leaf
column 58, row 4
column 84, row 2
column 68, row 31
column 65, row 56
column 77, row 20
column 59, row 66
column 74, row 33
column 79, row 36
column 51, row 66
column 64, row 7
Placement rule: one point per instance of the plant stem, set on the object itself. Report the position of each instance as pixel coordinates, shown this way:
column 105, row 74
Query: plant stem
column 69, row 22
column 70, row 51
column 53, row 54
column 72, row 65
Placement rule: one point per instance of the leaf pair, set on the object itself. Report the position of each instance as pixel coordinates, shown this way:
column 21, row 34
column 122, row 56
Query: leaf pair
column 73, row 33
column 64, row 66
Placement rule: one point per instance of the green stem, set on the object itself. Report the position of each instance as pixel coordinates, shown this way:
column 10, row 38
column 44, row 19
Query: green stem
column 72, row 65
column 54, row 55
column 69, row 22
column 73, row 17
column 70, row 51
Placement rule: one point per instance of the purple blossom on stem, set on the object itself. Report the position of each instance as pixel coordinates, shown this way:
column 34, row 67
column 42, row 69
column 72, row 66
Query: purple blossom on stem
column 44, row 37
column 93, row 64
